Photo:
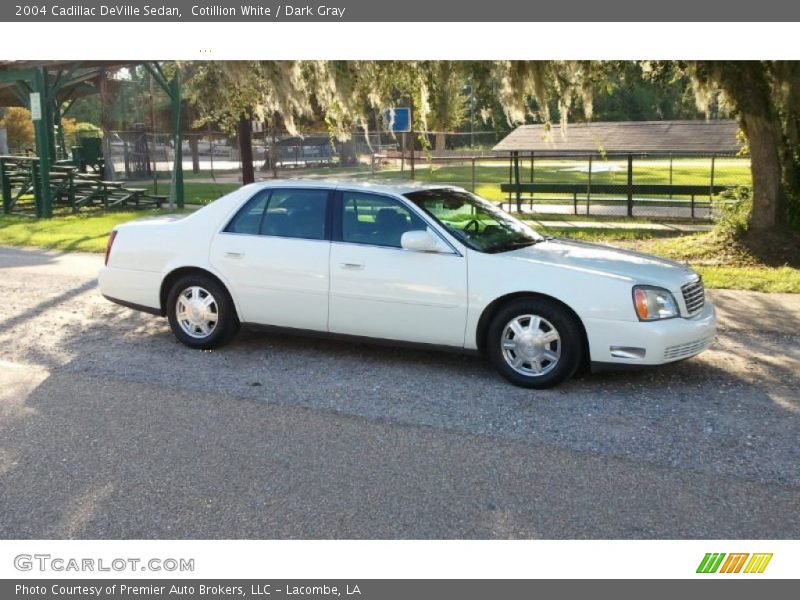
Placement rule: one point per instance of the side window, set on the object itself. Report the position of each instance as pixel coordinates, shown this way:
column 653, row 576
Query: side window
column 248, row 219
column 376, row 220
column 296, row 213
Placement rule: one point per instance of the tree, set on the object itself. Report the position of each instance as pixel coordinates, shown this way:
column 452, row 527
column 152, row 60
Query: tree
column 73, row 130
column 19, row 128
column 631, row 91
column 448, row 101
column 765, row 97
column 231, row 94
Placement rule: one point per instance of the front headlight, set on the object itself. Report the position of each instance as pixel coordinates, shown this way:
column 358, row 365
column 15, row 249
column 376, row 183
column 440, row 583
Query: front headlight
column 654, row 303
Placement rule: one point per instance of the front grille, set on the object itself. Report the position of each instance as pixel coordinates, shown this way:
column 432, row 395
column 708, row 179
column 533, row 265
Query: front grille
column 694, row 296
column 686, row 350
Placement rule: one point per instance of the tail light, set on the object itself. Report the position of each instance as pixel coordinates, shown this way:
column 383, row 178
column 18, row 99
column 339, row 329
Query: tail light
column 110, row 243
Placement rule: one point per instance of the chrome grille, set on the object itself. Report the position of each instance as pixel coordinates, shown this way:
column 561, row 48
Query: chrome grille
column 686, row 350
column 694, row 296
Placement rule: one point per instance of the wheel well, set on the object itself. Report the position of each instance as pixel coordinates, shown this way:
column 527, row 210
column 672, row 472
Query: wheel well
column 498, row 303
column 173, row 276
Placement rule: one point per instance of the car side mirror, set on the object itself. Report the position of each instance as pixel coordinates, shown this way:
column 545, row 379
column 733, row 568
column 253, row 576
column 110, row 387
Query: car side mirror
column 422, row 240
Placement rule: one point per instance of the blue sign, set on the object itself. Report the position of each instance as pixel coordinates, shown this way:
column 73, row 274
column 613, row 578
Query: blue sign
column 402, row 119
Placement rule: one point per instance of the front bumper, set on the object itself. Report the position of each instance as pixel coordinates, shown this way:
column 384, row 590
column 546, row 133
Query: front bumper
column 650, row 343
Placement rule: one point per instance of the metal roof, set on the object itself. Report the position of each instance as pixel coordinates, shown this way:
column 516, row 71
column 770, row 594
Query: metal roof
column 685, row 137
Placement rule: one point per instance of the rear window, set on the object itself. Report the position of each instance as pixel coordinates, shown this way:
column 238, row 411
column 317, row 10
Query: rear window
column 284, row 212
column 248, row 219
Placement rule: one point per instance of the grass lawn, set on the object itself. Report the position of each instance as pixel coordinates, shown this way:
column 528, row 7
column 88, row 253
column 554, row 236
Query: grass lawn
column 771, row 265
column 489, row 175
column 83, row 232
column 194, row 192
column 754, row 263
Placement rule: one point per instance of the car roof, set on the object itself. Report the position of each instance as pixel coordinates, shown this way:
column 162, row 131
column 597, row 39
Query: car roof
column 378, row 186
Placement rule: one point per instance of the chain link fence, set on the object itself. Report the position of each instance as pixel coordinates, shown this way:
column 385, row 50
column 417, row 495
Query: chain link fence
column 637, row 185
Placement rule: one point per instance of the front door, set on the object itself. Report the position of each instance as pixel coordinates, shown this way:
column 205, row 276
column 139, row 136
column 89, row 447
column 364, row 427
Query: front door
column 378, row 289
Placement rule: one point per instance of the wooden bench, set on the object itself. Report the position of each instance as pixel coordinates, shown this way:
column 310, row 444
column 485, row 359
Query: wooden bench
column 576, row 192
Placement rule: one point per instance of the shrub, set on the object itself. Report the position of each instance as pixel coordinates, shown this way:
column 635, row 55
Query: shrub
column 19, row 128
column 74, row 131
column 734, row 207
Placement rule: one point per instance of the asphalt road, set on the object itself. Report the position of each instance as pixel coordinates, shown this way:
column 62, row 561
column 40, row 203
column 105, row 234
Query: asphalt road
column 111, row 429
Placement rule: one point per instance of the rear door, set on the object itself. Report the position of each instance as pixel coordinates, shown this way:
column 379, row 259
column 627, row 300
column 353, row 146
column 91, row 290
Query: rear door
column 275, row 254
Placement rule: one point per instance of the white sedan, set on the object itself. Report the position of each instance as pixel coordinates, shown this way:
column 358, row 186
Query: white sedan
column 420, row 264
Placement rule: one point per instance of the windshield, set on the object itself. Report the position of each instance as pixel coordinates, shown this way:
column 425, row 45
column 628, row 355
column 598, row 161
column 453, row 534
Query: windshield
column 476, row 222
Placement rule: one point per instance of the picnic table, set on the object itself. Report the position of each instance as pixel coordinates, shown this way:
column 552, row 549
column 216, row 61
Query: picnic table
column 69, row 187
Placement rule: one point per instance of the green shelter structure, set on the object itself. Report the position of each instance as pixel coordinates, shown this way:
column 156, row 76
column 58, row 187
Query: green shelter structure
column 55, row 176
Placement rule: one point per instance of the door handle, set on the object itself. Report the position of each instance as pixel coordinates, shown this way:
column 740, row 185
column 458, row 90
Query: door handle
column 352, row 266
column 234, row 255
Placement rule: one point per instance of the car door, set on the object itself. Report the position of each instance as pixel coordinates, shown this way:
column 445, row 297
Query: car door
column 275, row 255
column 378, row 289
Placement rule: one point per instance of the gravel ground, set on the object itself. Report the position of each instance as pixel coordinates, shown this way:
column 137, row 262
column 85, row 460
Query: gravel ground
column 431, row 444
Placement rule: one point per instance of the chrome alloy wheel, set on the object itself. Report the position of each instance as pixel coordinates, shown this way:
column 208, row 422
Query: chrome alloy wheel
column 197, row 312
column 531, row 345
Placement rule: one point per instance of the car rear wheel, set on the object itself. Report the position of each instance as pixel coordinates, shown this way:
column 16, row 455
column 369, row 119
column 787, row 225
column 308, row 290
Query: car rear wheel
column 535, row 343
column 201, row 313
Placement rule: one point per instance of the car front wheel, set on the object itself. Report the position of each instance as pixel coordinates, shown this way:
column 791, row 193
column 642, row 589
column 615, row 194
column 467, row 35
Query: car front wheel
column 535, row 343
column 200, row 312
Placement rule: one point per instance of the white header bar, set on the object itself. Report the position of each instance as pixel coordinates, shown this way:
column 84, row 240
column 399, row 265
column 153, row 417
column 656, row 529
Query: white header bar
column 340, row 41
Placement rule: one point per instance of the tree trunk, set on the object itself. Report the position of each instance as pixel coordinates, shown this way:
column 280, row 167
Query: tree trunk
column 246, row 150
column 348, row 152
column 764, row 139
column 273, row 147
column 440, row 143
column 194, row 148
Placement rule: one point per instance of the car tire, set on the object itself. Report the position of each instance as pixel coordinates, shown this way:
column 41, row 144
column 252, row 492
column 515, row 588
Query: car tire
column 535, row 343
column 201, row 313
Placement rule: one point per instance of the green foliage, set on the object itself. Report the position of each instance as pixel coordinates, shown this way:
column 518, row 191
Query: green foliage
column 631, row 91
column 224, row 92
column 447, row 98
column 735, row 206
column 19, row 128
column 74, row 131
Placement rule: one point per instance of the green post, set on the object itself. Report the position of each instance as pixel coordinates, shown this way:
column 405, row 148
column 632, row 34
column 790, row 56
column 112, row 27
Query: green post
column 6, row 185
column 711, row 185
column 61, row 143
column 516, row 182
column 533, row 167
column 473, row 174
column 71, row 191
column 589, row 187
column 43, row 131
column 37, row 185
column 175, row 95
column 630, row 185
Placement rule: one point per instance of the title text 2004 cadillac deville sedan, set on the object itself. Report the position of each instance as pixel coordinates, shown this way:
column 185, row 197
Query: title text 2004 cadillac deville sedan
column 422, row 264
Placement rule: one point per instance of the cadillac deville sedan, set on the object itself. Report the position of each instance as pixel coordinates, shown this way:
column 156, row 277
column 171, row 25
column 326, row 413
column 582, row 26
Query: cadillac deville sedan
column 422, row 264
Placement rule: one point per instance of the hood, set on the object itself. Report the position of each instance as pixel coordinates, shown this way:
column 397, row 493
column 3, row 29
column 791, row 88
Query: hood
column 637, row 267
